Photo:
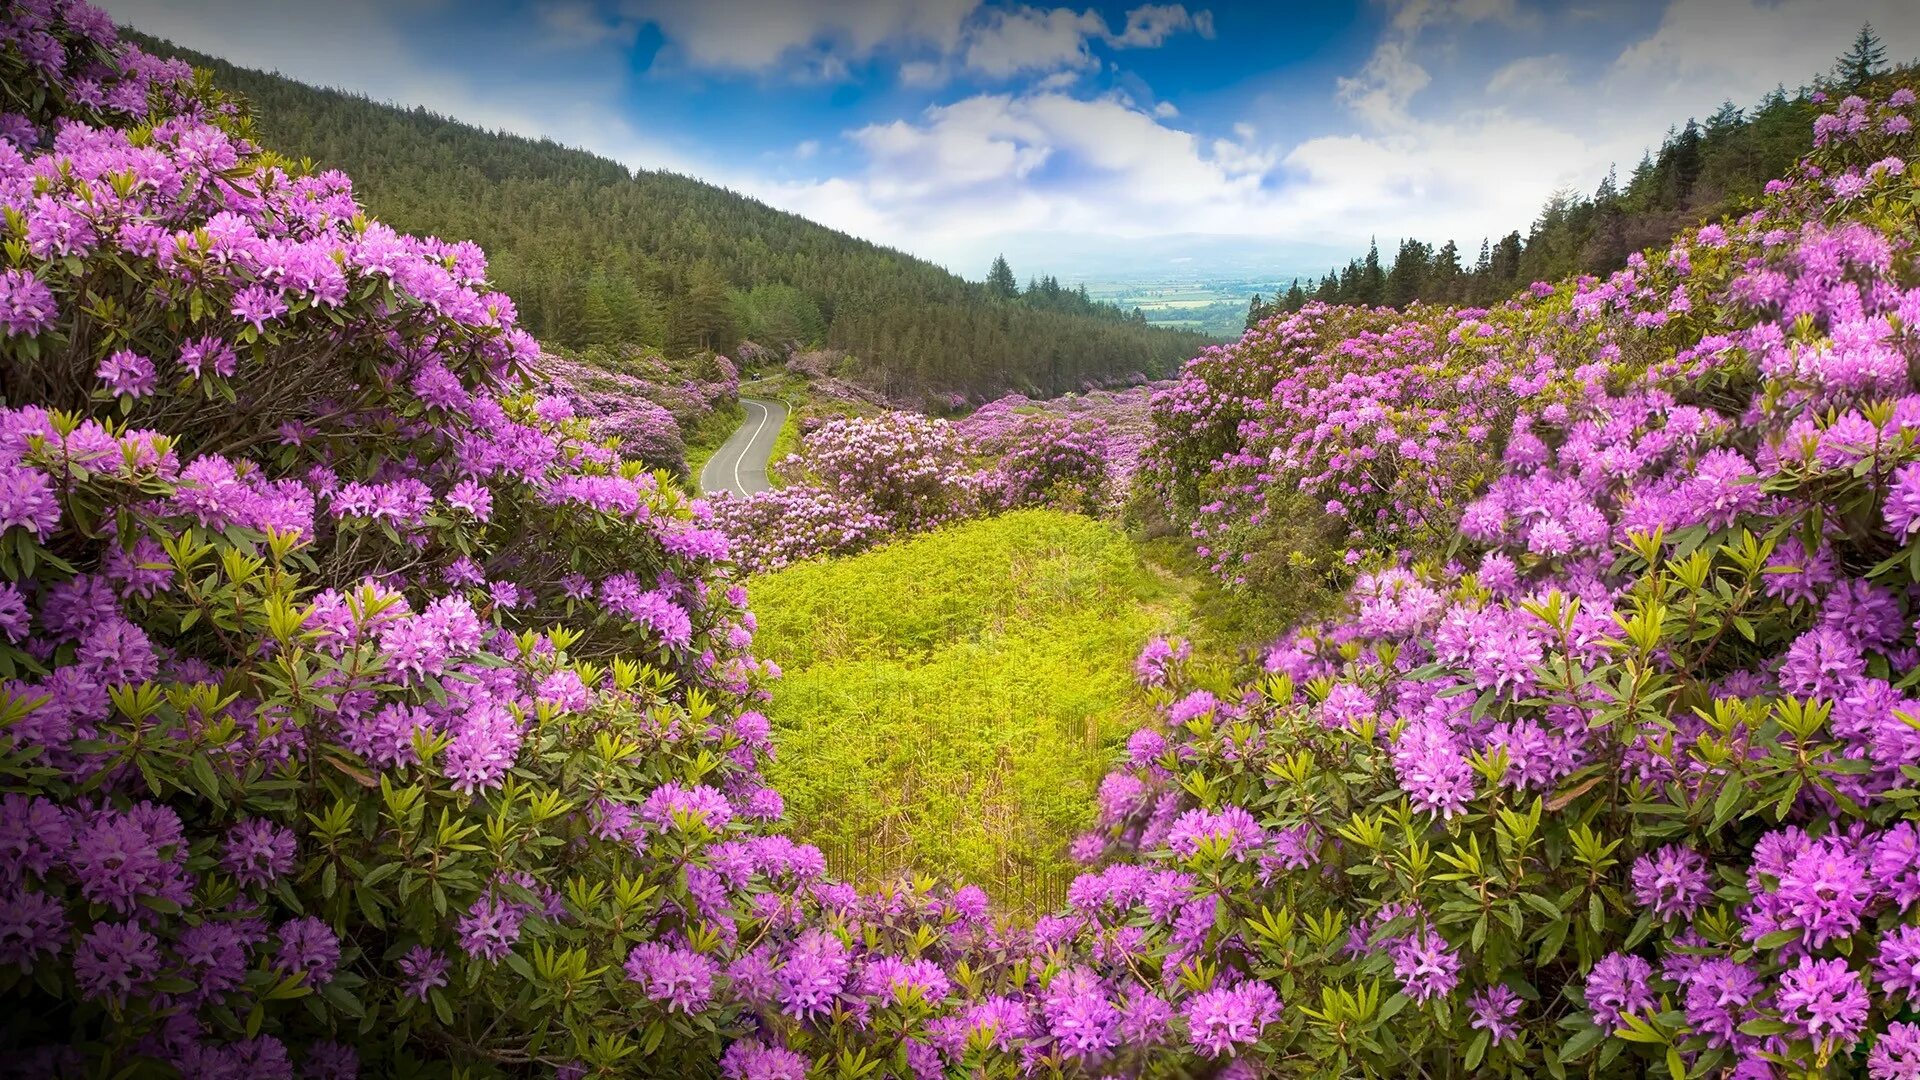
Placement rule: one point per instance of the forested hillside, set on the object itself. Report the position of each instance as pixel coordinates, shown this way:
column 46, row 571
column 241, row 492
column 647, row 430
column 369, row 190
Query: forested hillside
column 1702, row 172
column 595, row 254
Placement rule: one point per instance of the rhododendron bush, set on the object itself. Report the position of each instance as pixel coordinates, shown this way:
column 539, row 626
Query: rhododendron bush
column 363, row 710
column 1079, row 451
column 643, row 399
column 357, row 703
column 854, row 482
column 1610, row 757
column 859, row 481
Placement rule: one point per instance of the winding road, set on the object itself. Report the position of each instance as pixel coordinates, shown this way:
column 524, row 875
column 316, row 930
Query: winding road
column 740, row 465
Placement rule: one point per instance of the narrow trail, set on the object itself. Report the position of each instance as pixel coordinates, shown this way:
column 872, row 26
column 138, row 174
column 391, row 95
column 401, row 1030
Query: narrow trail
column 740, row 465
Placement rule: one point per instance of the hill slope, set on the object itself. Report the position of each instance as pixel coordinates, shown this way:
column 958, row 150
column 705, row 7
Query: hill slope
column 594, row 253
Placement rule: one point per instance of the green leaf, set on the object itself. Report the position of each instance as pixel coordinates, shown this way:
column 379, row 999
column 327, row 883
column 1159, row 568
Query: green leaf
column 519, row 964
column 1582, row 1041
column 1476, row 1050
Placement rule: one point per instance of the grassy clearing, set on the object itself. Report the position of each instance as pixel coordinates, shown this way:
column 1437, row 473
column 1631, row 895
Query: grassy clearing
column 952, row 700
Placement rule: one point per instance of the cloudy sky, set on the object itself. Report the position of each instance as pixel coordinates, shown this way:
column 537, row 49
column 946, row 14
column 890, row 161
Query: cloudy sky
column 1083, row 140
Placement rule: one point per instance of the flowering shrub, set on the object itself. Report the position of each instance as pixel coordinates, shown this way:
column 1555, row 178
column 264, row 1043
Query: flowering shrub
column 1079, row 451
column 361, row 707
column 854, row 482
column 642, row 399
column 1626, row 781
column 356, row 704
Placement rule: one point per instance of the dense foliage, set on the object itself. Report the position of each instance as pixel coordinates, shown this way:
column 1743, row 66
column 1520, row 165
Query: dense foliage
column 595, row 254
column 1623, row 775
column 363, row 708
column 648, row 402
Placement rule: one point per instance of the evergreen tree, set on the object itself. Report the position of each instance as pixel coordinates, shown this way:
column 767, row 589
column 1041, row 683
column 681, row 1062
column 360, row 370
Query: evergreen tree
column 598, row 323
column 1372, row 278
column 1296, row 297
column 1000, row 282
column 702, row 318
column 1864, row 59
column 1444, row 282
column 1609, row 189
column 1407, row 281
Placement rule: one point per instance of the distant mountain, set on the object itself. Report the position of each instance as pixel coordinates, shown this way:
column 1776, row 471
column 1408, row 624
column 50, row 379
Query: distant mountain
column 595, row 253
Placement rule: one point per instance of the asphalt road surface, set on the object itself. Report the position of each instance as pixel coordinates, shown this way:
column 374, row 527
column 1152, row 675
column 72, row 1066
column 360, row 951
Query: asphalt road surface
column 740, row 465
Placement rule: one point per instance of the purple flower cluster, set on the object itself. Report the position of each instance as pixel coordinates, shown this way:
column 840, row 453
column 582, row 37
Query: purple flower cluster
column 376, row 674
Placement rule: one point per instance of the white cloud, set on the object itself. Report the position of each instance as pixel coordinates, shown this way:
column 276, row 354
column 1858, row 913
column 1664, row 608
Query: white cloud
column 1529, row 75
column 806, row 148
column 578, row 23
column 970, row 142
column 1151, row 24
column 1012, row 41
column 757, row 38
column 922, row 73
column 1741, row 49
column 936, row 37
column 978, row 168
column 1166, row 110
column 1380, row 93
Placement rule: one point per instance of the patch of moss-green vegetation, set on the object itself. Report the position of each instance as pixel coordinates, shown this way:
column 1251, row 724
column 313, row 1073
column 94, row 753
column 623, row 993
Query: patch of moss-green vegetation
column 951, row 701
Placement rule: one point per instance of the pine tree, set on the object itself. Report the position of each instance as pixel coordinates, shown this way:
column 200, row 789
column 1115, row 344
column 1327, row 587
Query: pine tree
column 1444, row 284
column 598, row 323
column 1407, row 281
column 1000, row 281
column 1609, row 189
column 1725, row 118
column 1864, row 59
column 1373, row 279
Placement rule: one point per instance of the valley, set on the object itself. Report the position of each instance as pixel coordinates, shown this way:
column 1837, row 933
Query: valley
column 471, row 609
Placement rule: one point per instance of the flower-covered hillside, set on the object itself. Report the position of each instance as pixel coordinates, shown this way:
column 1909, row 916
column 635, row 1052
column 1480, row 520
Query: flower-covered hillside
column 653, row 405
column 1612, row 743
column 364, row 713
column 336, row 664
column 861, row 480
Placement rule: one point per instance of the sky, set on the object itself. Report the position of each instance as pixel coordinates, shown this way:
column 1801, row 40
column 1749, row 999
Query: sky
column 1095, row 142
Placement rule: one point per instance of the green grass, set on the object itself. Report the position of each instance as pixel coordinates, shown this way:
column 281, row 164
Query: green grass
column 951, row 701
column 784, row 444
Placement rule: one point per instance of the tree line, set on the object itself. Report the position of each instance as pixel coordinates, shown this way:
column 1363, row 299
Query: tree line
column 593, row 253
column 1701, row 171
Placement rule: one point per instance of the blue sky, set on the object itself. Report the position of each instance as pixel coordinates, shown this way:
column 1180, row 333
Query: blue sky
column 1091, row 141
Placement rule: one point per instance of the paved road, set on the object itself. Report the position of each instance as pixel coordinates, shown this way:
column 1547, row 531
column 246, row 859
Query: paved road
column 740, row 465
